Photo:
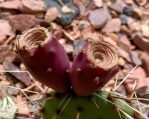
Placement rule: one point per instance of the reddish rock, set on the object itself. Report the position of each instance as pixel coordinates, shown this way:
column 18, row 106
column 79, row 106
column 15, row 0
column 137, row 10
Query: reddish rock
column 124, row 43
column 2, row 38
column 141, row 84
column 98, row 17
column 81, row 7
column 141, row 2
column 145, row 30
column 141, row 42
column 5, row 28
column 137, row 13
column 5, row 51
column 133, row 25
column 145, row 61
column 125, row 30
column 129, row 2
column 135, row 58
column 11, row 4
column 112, row 25
column 2, row 0
column 31, row 6
column 98, row 3
column 22, row 22
column 124, row 54
column 122, row 90
column 145, row 94
column 5, row 15
column 118, row 6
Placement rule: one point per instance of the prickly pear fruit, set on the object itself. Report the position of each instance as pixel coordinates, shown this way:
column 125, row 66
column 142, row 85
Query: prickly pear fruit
column 95, row 106
column 93, row 67
column 45, row 58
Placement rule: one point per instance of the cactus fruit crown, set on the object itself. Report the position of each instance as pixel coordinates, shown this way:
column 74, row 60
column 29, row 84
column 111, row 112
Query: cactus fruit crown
column 33, row 38
column 91, row 69
column 100, row 52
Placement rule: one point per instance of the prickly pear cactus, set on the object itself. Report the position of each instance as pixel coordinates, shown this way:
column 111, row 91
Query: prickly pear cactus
column 91, row 69
column 96, row 106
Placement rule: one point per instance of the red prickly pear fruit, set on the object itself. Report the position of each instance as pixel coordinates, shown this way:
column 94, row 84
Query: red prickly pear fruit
column 93, row 67
column 45, row 58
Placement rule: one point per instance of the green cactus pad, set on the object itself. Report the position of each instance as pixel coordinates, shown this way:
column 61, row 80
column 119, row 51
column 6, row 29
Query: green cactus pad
column 96, row 106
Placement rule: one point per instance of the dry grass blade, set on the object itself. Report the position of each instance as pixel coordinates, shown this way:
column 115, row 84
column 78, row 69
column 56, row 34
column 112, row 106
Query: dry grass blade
column 125, row 78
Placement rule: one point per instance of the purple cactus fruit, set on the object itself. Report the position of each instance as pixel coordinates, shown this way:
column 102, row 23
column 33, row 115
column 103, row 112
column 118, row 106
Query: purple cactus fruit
column 93, row 67
column 45, row 58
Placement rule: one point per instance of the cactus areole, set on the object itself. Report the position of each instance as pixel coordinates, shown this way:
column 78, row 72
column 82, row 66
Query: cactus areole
column 45, row 58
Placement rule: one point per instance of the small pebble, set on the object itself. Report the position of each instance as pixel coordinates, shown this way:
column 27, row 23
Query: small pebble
column 118, row 6
column 123, row 18
column 112, row 25
column 128, row 11
column 98, row 17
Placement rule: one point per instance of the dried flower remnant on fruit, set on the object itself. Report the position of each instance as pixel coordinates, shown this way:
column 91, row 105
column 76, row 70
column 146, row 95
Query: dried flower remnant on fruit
column 102, row 54
column 33, row 38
